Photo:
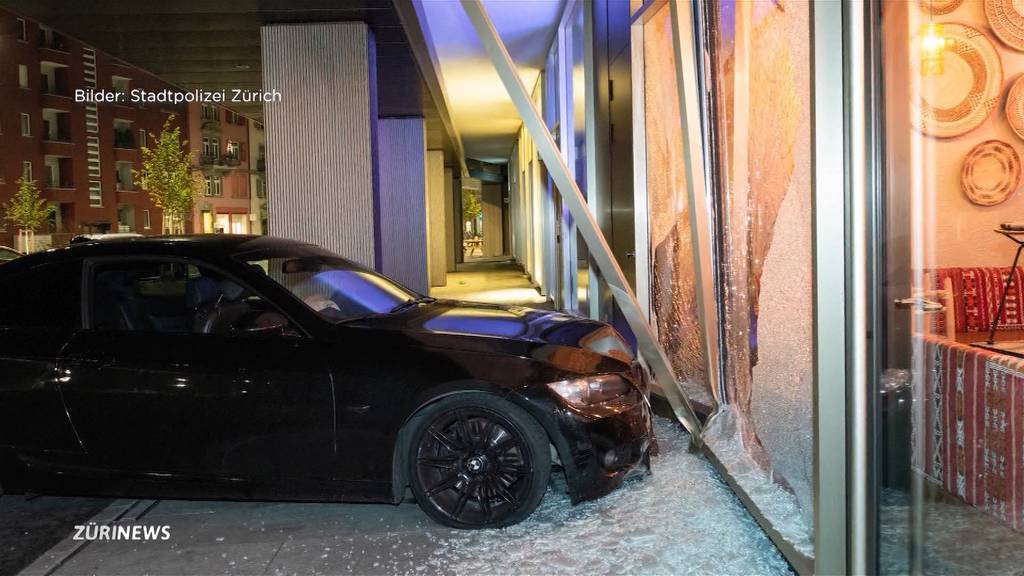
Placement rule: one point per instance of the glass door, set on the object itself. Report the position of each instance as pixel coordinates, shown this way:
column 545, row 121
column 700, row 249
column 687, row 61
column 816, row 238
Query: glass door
column 947, row 393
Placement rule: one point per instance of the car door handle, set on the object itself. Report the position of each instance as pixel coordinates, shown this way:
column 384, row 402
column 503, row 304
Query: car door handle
column 357, row 408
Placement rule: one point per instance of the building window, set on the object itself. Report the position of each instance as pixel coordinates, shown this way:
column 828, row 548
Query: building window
column 123, row 134
column 233, row 150
column 146, row 222
column 124, row 176
column 142, row 137
column 95, row 194
column 261, row 187
column 22, row 31
column 22, row 76
column 211, row 150
column 120, row 84
column 210, row 112
column 213, row 186
column 26, row 124
column 26, row 170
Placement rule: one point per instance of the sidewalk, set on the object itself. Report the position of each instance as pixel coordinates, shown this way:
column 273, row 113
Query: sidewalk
column 498, row 282
column 681, row 520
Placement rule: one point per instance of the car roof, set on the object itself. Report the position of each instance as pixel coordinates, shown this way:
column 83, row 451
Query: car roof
column 208, row 245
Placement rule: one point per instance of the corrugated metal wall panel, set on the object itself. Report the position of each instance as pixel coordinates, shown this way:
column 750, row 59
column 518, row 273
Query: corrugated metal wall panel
column 403, row 215
column 320, row 169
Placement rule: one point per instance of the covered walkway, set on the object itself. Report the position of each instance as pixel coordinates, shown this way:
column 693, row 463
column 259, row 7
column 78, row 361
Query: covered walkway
column 498, row 281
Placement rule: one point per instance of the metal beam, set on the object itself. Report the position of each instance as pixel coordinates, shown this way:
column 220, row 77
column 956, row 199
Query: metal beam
column 830, row 477
column 683, row 44
column 601, row 254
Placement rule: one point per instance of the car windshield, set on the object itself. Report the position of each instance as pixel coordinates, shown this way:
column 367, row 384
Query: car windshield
column 332, row 286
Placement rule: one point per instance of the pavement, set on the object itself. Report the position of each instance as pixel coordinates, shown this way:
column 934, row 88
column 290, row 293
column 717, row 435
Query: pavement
column 681, row 520
column 494, row 281
column 31, row 526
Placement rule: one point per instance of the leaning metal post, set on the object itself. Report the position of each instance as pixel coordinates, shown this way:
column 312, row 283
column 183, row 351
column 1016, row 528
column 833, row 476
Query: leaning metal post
column 600, row 252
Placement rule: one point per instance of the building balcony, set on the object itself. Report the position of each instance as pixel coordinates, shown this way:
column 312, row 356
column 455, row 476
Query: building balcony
column 209, row 160
column 59, row 137
column 230, row 160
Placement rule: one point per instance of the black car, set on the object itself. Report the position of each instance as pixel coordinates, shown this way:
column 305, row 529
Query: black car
column 255, row 367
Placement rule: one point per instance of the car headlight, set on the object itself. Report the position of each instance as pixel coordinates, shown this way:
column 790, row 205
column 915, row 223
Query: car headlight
column 590, row 390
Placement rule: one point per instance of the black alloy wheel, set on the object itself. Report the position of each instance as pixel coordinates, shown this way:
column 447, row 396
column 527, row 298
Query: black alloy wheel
column 477, row 461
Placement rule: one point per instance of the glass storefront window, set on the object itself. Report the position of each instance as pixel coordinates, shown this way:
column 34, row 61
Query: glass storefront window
column 949, row 392
column 761, row 113
column 672, row 287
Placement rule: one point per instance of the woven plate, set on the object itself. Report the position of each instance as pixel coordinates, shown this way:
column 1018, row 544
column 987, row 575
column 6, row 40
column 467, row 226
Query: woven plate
column 939, row 7
column 960, row 98
column 1015, row 107
column 1007, row 21
column 991, row 172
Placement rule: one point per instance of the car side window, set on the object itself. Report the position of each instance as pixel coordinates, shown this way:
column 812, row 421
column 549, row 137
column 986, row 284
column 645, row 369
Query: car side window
column 173, row 297
column 47, row 296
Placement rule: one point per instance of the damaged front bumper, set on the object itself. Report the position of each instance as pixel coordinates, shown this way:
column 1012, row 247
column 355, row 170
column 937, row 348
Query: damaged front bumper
column 600, row 446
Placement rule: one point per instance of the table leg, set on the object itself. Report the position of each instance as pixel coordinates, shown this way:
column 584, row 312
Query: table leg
column 1002, row 301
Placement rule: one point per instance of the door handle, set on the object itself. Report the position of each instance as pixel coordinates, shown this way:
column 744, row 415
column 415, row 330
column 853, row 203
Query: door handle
column 357, row 408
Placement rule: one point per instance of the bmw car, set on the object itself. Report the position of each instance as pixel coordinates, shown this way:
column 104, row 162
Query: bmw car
column 242, row 367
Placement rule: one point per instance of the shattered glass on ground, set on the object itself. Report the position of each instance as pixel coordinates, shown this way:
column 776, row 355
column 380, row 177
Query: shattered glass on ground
column 683, row 519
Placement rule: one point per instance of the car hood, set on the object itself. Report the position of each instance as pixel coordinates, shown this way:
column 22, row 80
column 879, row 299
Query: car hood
column 514, row 324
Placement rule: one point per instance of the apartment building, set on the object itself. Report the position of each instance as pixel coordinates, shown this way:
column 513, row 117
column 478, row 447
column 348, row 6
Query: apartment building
column 82, row 155
column 219, row 140
column 258, row 177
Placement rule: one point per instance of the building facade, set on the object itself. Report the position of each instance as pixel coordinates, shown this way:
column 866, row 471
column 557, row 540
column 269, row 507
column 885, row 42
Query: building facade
column 83, row 156
column 218, row 139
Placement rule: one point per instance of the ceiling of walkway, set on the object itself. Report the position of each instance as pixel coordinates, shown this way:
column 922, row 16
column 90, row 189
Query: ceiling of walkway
column 478, row 103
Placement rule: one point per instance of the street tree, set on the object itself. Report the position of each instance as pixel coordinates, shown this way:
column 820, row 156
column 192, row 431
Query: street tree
column 168, row 176
column 27, row 210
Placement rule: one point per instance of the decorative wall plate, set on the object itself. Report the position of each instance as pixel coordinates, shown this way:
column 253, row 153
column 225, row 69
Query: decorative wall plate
column 1007, row 20
column 939, row 7
column 960, row 97
column 991, row 172
column 1015, row 107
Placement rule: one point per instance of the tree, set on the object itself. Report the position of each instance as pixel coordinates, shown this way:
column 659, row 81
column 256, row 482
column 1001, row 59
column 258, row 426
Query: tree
column 27, row 210
column 169, row 178
column 470, row 206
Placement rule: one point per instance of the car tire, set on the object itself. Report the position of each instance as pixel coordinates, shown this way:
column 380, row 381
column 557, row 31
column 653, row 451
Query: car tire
column 477, row 461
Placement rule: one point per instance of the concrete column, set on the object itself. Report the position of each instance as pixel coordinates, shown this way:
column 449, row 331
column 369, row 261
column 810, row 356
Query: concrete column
column 321, row 136
column 449, row 214
column 403, row 215
column 436, row 224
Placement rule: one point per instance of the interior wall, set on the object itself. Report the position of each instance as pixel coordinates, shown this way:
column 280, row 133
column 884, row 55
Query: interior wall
column 403, row 217
column 324, row 194
column 437, row 252
column 954, row 231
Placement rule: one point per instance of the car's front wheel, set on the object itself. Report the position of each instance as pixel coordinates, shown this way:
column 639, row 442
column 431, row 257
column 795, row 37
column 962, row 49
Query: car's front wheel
column 477, row 461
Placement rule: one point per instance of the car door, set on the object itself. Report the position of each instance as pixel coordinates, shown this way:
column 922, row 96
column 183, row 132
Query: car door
column 174, row 374
column 39, row 310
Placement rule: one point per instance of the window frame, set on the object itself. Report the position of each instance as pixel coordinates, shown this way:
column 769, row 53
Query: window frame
column 23, row 80
column 22, row 35
column 26, row 124
column 90, row 264
column 26, row 173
